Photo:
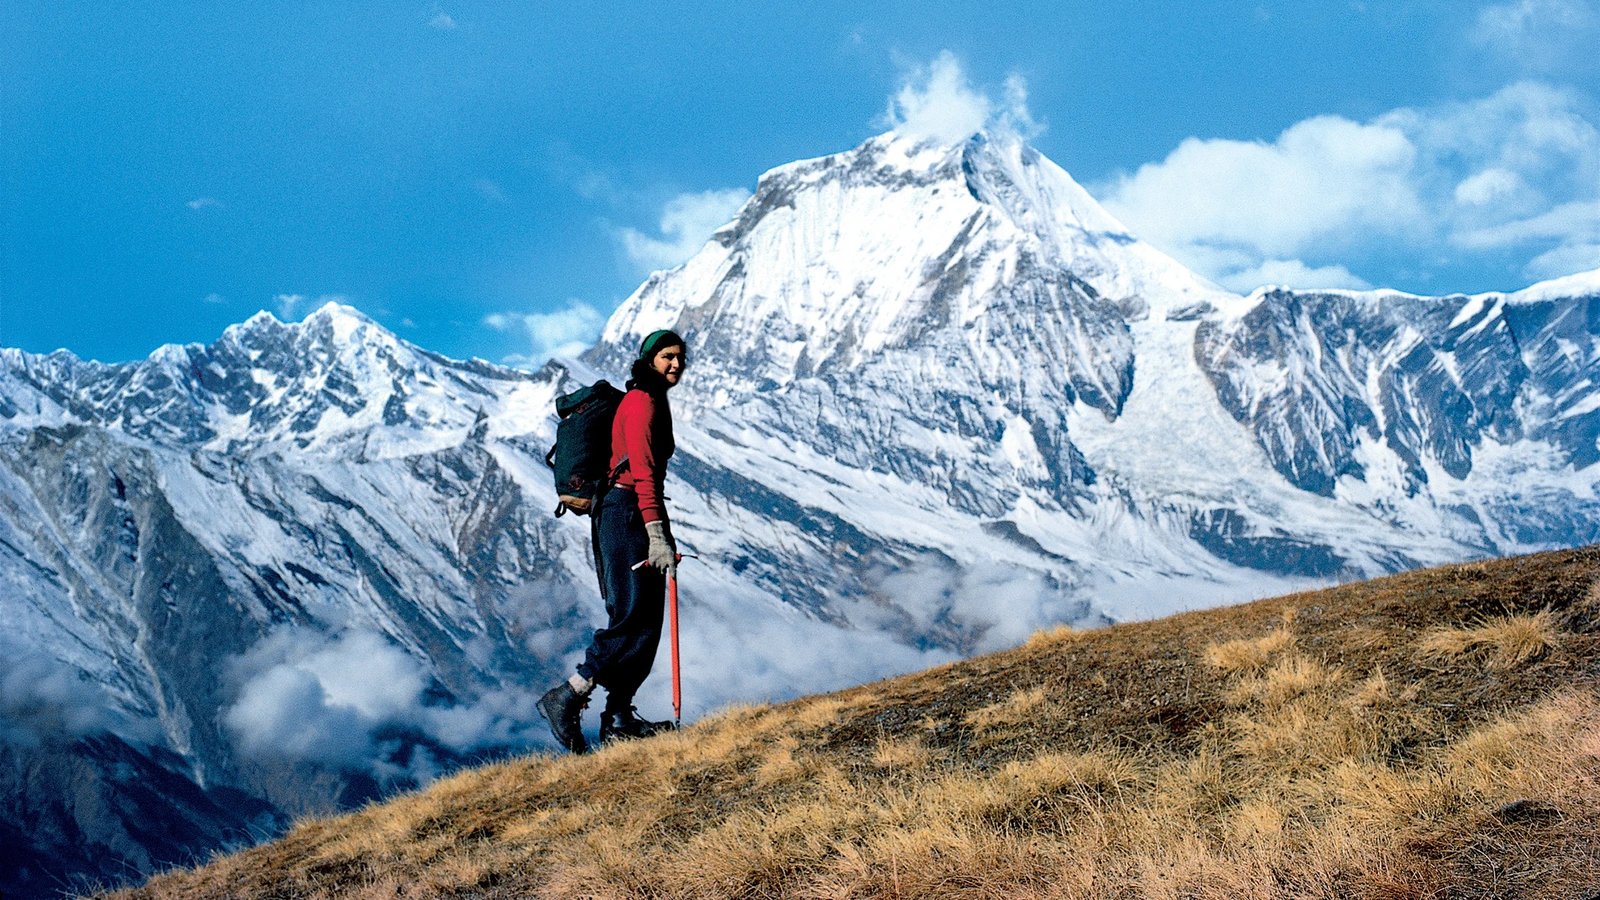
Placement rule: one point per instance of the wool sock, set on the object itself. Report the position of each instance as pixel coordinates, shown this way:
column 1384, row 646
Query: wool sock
column 581, row 684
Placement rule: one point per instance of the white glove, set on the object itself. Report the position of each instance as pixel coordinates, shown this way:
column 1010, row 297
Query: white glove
column 663, row 551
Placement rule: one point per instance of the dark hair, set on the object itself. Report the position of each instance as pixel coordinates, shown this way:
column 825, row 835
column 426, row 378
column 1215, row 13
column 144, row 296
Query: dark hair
column 645, row 377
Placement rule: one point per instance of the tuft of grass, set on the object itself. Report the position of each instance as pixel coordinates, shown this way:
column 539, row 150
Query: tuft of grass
column 818, row 713
column 1290, row 677
column 899, row 754
column 1506, row 642
column 1247, row 654
column 1016, row 709
column 1051, row 637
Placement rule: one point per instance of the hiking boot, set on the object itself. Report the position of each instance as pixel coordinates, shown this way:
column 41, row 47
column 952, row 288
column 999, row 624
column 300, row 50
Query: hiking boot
column 563, row 707
column 626, row 725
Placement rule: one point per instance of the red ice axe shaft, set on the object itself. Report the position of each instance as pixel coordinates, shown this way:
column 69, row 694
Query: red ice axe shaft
column 672, row 623
column 672, row 619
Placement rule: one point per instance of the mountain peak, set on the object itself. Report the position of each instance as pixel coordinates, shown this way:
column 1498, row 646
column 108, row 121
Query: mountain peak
column 332, row 311
column 342, row 316
column 1578, row 284
column 334, row 333
column 900, row 240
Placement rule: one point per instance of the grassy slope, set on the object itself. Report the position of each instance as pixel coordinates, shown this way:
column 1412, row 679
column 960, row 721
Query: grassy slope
column 1431, row 734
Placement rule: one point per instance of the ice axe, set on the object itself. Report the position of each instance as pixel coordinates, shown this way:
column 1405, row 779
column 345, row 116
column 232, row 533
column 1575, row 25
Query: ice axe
column 672, row 620
column 672, row 637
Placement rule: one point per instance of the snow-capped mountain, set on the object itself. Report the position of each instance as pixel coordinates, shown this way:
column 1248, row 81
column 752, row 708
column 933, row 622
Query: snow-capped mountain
column 191, row 546
column 964, row 336
column 938, row 398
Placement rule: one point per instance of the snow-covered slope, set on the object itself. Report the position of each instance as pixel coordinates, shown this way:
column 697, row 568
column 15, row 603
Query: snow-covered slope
column 974, row 343
column 938, row 398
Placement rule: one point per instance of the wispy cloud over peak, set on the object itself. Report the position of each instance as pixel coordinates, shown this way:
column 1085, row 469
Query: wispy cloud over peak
column 290, row 306
column 287, row 304
column 939, row 102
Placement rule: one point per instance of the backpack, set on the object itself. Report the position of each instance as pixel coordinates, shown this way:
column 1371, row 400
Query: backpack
column 581, row 457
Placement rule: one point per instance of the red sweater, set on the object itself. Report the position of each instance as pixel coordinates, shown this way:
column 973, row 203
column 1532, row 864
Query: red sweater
column 642, row 433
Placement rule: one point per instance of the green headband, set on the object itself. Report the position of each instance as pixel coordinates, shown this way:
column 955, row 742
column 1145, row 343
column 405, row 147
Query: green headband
column 656, row 341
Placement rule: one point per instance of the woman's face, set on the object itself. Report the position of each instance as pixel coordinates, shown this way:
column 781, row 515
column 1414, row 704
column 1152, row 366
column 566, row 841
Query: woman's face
column 669, row 362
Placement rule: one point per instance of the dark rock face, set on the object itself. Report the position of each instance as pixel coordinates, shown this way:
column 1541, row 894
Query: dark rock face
column 1312, row 375
column 1226, row 533
column 1557, row 340
column 125, row 809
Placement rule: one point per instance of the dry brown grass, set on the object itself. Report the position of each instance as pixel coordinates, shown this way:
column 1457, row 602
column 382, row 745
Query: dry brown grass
column 1247, row 654
column 1309, row 747
column 1059, row 634
column 1591, row 599
column 1506, row 642
column 1014, row 710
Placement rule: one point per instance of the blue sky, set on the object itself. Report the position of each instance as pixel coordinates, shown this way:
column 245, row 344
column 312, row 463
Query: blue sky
column 491, row 178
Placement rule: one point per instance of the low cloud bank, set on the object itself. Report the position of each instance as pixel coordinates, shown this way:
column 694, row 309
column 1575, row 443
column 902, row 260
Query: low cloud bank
column 44, row 700
column 359, row 702
column 977, row 608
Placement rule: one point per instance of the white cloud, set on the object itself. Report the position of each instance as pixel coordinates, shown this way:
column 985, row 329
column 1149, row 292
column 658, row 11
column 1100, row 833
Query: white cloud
column 1576, row 221
column 1530, row 129
column 1493, row 185
column 355, row 700
column 1014, row 113
column 1549, row 36
column 938, row 102
column 287, row 304
column 1293, row 273
column 687, row 222
column 1567, row 259
column 214, row 298
column 1518, row 170
column 442, row 22
column 1323, row 178
column 203, row 202
column 566, row 332
column 43, row 700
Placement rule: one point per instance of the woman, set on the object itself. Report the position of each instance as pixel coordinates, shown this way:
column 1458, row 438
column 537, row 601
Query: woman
column 636, row 555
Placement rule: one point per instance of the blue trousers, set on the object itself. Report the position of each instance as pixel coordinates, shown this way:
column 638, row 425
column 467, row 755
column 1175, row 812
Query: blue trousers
column 620, row 654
